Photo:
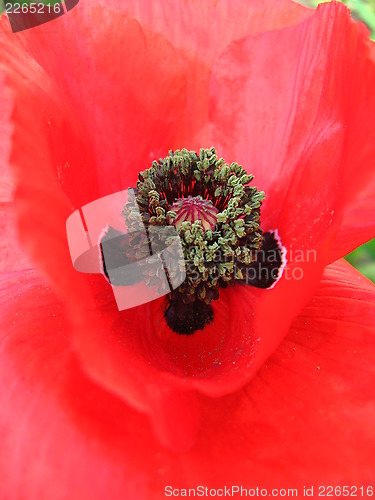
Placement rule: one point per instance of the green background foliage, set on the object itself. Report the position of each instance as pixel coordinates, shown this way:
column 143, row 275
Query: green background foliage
column 363, row 258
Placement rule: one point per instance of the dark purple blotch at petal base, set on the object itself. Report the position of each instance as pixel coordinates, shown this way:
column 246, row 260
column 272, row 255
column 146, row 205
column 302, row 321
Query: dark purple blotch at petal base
column 266, row 271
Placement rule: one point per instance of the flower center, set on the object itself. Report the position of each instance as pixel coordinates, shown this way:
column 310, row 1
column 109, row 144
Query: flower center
column 217, row 216
column 216, row 213
column 194, row 208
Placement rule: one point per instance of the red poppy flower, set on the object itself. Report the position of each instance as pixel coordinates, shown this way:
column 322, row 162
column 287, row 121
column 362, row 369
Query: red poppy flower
column 100, row 403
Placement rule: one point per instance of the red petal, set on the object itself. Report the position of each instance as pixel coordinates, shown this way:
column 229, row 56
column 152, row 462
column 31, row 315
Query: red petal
column 201, row 31
column 357, row 226
column 45, row 399
column 12, row 256
column 125, row 87
column 6, row 183
column 135, row 355
column 38, row 147
column 205, row 36
column 60, row 125
column 296, row 107
column 306, row 419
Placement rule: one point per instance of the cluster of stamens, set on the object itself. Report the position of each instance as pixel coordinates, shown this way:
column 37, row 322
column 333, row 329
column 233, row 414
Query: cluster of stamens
column 216, row 214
